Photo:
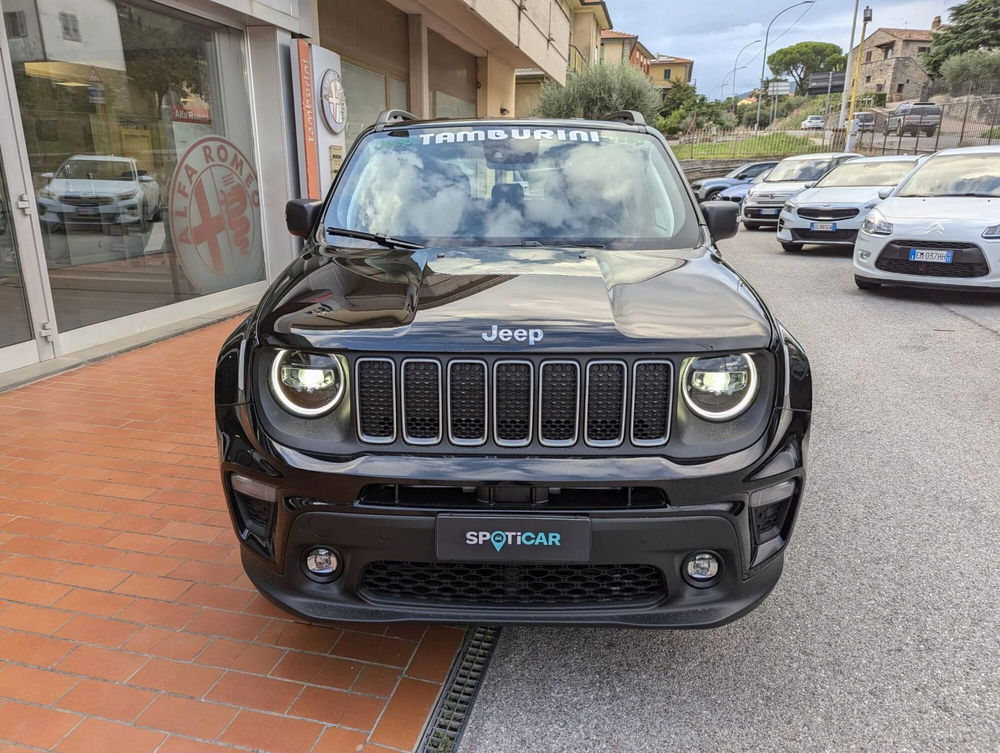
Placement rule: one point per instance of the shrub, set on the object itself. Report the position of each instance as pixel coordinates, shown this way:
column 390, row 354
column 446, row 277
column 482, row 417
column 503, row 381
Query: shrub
column 598, row 90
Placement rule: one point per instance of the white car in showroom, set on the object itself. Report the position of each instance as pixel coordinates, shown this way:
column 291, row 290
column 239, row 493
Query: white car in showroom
column 939, row 228
column 763, row 202
column 831, row 212
column 99, row 190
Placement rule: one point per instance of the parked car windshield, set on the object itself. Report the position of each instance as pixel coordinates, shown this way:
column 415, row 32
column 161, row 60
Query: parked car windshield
column 886, row 173
column 96, row 169
column 956, row 175
column 798, row 169
column 509, row 185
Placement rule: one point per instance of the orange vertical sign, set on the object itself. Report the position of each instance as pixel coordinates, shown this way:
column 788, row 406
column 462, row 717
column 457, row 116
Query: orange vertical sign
column 308, row 115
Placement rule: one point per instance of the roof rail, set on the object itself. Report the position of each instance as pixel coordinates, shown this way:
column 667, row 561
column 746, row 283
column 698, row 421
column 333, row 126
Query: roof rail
column 632, row 117
column 393, row 116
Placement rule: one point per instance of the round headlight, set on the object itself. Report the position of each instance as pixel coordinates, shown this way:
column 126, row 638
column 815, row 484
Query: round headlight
column 307, row 384
column 718, row 388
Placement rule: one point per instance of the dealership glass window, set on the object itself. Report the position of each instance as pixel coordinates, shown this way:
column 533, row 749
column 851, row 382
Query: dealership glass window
column 14, row 326
column 137, row 123
column 368, row 93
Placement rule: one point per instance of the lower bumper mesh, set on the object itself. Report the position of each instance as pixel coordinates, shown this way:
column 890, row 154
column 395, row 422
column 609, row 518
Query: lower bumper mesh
column 487, row 584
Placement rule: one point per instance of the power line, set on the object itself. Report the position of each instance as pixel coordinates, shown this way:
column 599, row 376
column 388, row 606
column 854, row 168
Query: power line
column 789, row 27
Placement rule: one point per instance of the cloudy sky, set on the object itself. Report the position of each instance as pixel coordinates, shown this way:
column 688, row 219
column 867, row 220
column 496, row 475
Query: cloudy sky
column 711, row 32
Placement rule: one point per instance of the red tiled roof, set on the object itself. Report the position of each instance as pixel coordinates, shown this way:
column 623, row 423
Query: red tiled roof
column 670, row 59
column 612, row 34
column 910, row 35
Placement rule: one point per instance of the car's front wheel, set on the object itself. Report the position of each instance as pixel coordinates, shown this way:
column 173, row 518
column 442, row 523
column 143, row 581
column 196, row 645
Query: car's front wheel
column 866, row 284
column 791, row 247
column 750, row 225
column 713, row 194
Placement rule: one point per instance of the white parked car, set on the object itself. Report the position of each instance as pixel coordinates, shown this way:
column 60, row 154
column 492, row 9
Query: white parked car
column 763, row 202
column 813, row 122
column 99, row 190
column 831, row 212
column 939, row 228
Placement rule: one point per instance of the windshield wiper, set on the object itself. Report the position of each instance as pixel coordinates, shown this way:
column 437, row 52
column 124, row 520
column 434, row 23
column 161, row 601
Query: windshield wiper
column 380, row 238
column 969, row 193
column 556, row 244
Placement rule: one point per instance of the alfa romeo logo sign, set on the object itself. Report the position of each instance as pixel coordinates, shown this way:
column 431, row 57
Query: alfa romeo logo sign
column 333, row 101
column 214, row 204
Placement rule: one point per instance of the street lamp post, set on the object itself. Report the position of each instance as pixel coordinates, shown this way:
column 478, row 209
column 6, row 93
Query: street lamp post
column 763, row 62
column 737, row 60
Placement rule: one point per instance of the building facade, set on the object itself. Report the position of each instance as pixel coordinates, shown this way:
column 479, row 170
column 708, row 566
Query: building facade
column 622, row 47
column 147, row 147
column 890, row 62
column 666, row 70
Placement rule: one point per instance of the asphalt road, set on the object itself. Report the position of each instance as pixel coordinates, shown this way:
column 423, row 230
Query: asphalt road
column 884, row 632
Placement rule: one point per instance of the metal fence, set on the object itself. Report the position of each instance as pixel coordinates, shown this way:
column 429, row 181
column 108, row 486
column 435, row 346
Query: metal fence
column 743, row 143
column 972, row 121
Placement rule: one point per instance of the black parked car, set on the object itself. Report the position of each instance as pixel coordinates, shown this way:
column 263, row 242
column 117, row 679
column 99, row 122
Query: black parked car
column 511, row 379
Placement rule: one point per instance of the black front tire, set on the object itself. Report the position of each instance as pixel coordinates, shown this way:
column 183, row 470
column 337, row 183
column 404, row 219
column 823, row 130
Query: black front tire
column 791, row 247
column 866, row 284
column 750, row 225
column 713, row 195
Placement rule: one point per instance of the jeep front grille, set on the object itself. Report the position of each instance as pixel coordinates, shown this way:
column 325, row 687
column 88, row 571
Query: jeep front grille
column 472, row 402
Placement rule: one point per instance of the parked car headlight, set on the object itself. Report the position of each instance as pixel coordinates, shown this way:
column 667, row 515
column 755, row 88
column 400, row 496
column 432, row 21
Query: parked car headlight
column 876, row 224
column 992, row 232
column 719, row 388
column 789, row 206
column 307, row 384
column 127, row 195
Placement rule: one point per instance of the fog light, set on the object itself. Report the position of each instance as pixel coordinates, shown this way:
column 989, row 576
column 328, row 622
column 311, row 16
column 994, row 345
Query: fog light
column 322, row 562
column 864, row 255
column 702, row 566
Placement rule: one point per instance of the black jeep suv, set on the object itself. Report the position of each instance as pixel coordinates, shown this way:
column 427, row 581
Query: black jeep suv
column 511, row 379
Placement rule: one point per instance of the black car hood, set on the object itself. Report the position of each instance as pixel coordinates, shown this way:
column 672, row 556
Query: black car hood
column 445, row 299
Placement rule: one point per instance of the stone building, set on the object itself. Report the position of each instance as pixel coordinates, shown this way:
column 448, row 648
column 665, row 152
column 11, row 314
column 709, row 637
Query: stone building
column 890, row 61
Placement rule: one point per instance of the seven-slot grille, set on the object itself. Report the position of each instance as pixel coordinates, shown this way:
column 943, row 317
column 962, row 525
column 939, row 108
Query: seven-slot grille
column 514, row 402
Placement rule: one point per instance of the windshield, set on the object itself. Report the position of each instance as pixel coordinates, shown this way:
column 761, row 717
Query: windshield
column 798, row 169
column 513, row 185
column 886, row 173
column 956, row 175
column 94, row 169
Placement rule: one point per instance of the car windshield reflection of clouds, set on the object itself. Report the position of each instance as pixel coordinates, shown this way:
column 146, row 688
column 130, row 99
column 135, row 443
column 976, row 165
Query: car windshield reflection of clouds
column 956, row 175
column 511, row 185
column 798, row 170
column 854, row 174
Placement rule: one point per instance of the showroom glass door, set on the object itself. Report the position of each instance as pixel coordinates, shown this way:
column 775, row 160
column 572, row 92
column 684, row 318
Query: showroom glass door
column 15, row 323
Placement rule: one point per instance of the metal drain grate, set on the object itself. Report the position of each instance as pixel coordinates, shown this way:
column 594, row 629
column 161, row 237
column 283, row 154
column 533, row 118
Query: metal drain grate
column 447, row 722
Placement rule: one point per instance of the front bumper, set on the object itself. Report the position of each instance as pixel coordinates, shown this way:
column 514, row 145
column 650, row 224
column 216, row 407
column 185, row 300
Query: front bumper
column 760, row 214
column 795, row 229
column 328, row 502
column 869, row 248
column 125, row 212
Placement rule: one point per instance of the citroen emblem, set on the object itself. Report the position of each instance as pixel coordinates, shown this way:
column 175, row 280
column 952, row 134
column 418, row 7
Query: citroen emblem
column 935, row 228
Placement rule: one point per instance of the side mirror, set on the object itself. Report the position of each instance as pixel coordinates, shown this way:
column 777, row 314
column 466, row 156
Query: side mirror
column 884, row 193
column 146, row 179
column 810, row 184
column 48, row 176
column 301, row 216
column 721, row 218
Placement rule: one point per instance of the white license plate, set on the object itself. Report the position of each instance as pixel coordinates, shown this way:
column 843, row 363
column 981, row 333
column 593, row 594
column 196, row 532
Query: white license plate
column 769, row 211
column 823, row 227
column 923, row 254
column 88, row 211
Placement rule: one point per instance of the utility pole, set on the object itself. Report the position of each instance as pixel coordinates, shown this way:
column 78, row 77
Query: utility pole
column 850, row 66
column 855, row 78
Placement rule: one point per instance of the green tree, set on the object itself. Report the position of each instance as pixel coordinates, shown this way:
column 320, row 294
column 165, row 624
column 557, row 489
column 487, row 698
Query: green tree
column 800, row 61
column 597, row 90
column 680, row 96
column 971, row 66
column 975, row 25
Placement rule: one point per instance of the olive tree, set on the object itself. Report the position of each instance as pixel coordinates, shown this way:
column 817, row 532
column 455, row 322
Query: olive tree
column 597, row 90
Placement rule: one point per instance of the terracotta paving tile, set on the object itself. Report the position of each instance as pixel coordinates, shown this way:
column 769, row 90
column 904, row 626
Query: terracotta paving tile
column 245, row 657
column 183, row 745
column 98, row 735
column 86, row 628
column 259, row 605
column 88, row 576
column 376, row 680
column 32, row 591
column 187, row 717
column 34, row 726
column 33, row 649
column 338, row 707
column 227, row 624
column 220, row 597
column 106, row 699
column 403, row 719
column 317, row 670
column 338, row 740
column 153, row 587
column 159, row 613
column 189, row 531
column 251, row 691
column 300, row 636
column 435, row 654
column 102, row 663
column 147, row 564
column 207, row 572
column 94, row 602
column 34, row 685
column 32, row 619
column 273, row 734
column 374, row 648
column 169, row 644
column 176, row 677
